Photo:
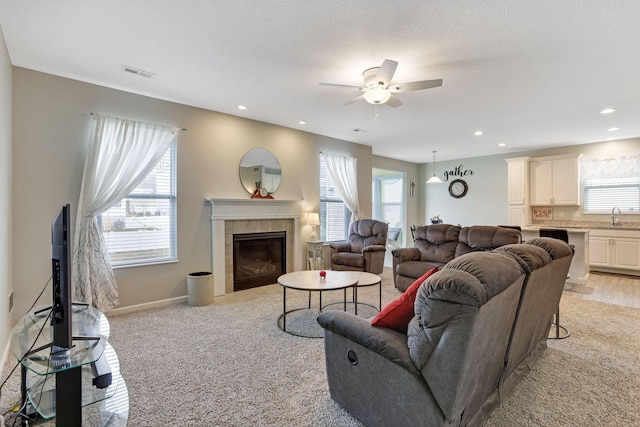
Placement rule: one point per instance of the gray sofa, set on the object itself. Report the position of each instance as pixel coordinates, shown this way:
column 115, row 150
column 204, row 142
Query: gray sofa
column 479, row 324
column 435, row 245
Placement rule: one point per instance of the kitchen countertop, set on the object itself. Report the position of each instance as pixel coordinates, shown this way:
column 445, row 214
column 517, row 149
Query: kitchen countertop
column 536, row 227
column 588, row 225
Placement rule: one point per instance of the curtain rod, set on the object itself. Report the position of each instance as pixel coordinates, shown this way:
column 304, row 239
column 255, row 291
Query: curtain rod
column 93, row 114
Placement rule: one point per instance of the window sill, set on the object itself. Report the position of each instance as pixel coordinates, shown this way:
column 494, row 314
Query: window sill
column 609, row 213
column 145, row 264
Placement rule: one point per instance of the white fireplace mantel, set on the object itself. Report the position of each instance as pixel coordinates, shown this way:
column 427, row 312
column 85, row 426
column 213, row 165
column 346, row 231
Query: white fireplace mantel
column 223, row 210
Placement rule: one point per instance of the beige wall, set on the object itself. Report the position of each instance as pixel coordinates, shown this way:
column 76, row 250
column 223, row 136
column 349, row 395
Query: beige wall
column 51, row 116
column 5, row 197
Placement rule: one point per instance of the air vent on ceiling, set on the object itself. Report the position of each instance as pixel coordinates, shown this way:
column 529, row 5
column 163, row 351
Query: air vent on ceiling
column 137, row 71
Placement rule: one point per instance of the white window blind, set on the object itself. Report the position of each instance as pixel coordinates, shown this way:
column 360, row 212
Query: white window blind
column 141, row 228
column 602, row 195
column 612, row 182
column 334, row 215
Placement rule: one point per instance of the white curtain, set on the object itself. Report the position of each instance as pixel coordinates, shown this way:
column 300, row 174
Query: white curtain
column 343, row 173
column 120, row 154
column 611, row 167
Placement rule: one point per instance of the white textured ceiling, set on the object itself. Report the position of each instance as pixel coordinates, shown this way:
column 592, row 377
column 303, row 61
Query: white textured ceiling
column 529, row 73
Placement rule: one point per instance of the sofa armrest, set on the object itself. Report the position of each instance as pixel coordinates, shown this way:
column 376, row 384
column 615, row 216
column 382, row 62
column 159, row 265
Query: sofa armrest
column 406, row 254
column 340, row 247
column 374, row 248
column 390, row 344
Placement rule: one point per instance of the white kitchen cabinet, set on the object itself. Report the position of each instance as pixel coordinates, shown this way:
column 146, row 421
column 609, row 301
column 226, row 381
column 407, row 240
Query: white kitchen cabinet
column 614, row 250
column 555, row 181
column 625, row 253
column 517, row 180
column 517, row 216
column 600, row 251
column 518, row 190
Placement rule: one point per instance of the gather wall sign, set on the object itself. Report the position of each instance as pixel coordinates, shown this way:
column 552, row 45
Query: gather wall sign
column 458, row 171
column 458, row 187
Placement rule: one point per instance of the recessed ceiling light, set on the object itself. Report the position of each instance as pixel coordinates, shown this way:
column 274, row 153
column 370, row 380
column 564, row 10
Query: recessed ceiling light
column 242, row 107
column 607, row 111
column 302, row 122
column 502, row 144
column 613, row 129
column 478, row 133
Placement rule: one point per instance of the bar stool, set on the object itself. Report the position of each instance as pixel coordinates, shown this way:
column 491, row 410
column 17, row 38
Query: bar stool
column 563, row 235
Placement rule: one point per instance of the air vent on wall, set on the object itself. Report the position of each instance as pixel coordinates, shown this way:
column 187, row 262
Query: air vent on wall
column 137, row 71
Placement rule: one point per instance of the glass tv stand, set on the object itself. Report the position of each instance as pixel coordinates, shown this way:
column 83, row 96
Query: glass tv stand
column 57, row 387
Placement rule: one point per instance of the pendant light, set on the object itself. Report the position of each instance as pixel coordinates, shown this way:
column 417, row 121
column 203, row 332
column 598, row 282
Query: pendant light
column 434, row 179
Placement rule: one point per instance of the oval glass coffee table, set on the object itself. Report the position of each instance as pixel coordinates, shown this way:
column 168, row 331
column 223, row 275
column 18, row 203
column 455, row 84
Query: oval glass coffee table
column 311, row 281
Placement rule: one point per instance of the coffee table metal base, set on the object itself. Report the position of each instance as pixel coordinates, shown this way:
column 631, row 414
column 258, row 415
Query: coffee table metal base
column 364, row 280
column 282, row 319
column 310, row 280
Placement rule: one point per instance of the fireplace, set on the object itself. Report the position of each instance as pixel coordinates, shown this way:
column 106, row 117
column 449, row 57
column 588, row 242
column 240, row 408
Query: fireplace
column 258, row 259
column 240, row 216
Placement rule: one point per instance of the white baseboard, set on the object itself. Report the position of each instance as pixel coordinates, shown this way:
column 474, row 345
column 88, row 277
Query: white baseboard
column 5, row 356
column 147, row 305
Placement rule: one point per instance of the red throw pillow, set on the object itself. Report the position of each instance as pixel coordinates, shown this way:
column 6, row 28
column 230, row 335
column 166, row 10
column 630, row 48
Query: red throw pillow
column 398, row 313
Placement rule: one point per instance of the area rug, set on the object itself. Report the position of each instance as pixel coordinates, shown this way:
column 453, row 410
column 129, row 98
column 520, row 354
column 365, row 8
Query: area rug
column 228, row 364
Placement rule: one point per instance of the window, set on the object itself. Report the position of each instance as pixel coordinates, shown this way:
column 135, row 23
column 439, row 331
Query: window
column 334, row 215
column 387, row 199
column 141, row 228
column 611, row 183
column 602, row 195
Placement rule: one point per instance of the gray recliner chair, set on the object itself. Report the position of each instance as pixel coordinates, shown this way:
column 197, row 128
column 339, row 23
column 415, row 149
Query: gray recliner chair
column 364, row 249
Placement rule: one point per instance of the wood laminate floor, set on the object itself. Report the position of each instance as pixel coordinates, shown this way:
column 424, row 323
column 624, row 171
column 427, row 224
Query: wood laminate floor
column 604, row 287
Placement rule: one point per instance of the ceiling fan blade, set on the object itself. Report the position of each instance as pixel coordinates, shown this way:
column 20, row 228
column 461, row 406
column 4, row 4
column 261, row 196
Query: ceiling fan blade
column 419, row 85
column 342, row 86
column 386, row 72
column 394, row 102
column 354, row 100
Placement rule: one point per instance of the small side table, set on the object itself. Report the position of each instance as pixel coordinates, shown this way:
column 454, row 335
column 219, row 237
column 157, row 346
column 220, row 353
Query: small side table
column 315, row 256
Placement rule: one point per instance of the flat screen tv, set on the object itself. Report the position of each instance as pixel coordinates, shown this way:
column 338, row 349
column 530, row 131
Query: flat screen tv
column 61, row 272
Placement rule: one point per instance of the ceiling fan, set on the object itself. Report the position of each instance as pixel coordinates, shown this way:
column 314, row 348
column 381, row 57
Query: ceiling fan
column 378, row 89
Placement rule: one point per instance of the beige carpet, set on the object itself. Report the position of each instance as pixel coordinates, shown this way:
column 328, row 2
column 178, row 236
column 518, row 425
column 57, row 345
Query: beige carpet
column 228, row 364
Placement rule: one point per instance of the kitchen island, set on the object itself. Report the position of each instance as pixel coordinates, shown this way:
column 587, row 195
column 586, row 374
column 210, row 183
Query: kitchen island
column 579, row 238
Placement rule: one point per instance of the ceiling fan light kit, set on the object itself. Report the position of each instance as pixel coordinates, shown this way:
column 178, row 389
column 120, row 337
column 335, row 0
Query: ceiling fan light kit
column 377, row 94
column 377, row 85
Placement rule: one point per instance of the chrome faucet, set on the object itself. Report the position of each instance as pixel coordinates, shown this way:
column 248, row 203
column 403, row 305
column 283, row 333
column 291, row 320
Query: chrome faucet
column 614, row 219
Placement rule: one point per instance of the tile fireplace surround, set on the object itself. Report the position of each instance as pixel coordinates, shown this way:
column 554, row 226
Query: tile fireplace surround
column 233, row 216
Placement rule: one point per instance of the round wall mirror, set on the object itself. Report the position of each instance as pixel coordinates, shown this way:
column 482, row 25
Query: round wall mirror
column 260, row 170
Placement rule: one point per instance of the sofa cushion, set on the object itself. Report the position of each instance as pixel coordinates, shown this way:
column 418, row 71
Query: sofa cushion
column 348, row 258
column 484, row 238
column 437, row 242
column 529, row 256
column 397, row 314
column 367, row 232
column 556, row 248
column 416, row 268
